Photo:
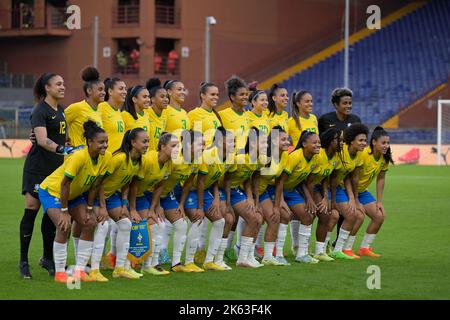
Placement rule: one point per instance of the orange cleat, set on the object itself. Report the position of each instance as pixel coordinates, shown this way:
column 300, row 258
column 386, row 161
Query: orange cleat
column 351, row 254
column 82, row 275
column 368, row 253
column 61, row 277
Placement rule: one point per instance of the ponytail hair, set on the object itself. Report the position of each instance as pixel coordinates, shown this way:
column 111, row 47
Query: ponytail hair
column 39, row 87
column 204, row 86
column 295, row 110
column 153, row 85
column 377, row 133
column 91, row 129
column 129, row 103
column 254, row 92
column 90, row 76
column 303, row 138
column 272, row 92
column 164, row 139
column 168, row 85
column 126, row 145
column 109, row 84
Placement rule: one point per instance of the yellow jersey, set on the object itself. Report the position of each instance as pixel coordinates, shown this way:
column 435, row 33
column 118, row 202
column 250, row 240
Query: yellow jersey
column 113, row 124
column 76, row 115
column 298, row 169
column 269, row 174
column 237, row 123
column 260, row 122
column 179, row 174
column 177, row 120
column 212, row 167
column 120, row 173
column 347, row 164
column 306, row 124
column 278, row 119
column 204, row 121
column 326, row 165
column 241, row 171
column 142, row 121
column 81, row 169
column 157, row 126
column 153, row 173
column 370, row 169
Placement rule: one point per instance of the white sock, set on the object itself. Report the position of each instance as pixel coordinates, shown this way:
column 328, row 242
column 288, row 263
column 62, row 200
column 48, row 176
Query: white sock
column 99, row 244
column 268, row 250
column 320, row 247
column 246, row 246
column 221, row 251
column 75, row 247
column 343, row 235
column 60, row 256
column 281, row 238
column 367, row 240
column 239, row 228
column 214, row 239
column 179, row 239
column 260, row 238
column 113, row 237
column 230, row 239
column 166, row 234
column 251, row 252
column 192, row 241
column 203, row 234
column 156, row 245
column 349, row 244
column 122, row 241
column 84, row 253
column 110, row 222
column 294, row 233
column 304, row 234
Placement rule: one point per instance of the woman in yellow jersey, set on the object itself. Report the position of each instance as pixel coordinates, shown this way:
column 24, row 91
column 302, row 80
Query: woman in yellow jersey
column 302, row 162
column 257, row 117
column 63, row 197
column 134, row 113
column 176, row 117
column 205, row 118
column 278, row 101
column 240, row 190
column 302, row 118
column 318, row 183
column 125, row 167
column 344, row 183
column 206, row 199
column 157, row 166
column 78, row 113
column 159, row 100
column 110, row 109
column 173, row 198
column 375, row 159
column 276, row 217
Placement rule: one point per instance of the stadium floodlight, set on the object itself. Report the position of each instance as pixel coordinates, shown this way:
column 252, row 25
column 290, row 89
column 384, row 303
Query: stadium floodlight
column 209, row 21
column 443, row 127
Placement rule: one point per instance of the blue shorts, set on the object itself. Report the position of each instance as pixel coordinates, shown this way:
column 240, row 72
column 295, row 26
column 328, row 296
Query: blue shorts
column 318, row 188
column 264, row 196
column 236, row 196
column 170, row 202
column 365, row 197
column 208, row 197
column 293, row 197
column 50, row 202
column 112, row 202
column 142, row 203
column 341, row 195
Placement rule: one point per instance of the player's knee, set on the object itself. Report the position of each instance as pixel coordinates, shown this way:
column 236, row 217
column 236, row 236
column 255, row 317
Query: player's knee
column 124, row 225
column 334, row 217
column 285, row 217
column 229, row 219
column 378, row 219
column 90, row 225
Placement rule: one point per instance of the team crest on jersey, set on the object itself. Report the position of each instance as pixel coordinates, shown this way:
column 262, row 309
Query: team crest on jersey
column 334, row 164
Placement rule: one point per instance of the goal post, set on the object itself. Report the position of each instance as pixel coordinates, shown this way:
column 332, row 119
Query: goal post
column 443, row 127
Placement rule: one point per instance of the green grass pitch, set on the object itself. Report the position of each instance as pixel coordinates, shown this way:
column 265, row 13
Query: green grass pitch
column 414, row 242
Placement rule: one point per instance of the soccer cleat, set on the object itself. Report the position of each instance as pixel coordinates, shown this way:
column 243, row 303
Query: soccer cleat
column 212, row 266
column 224, row 265
column 120, row 272
column 200, row 256
column 82, row 276
column 164, row 257
column 323, row 257
column 271, row 262
column 24, row 269
column 259, row 252
column 283, row 261
column 230, row 255
column 48, row 265
column 112, row 260
column 131, row 270
column 244, row 264
column 254, row 262
column 194, row 268
column 180, row 268
column 367, row 252
column 339, row 255
column 96, row 276
column 61, row 277
column 351, row 254
column 156, row 271
column 274, row 253
column 306, row 259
